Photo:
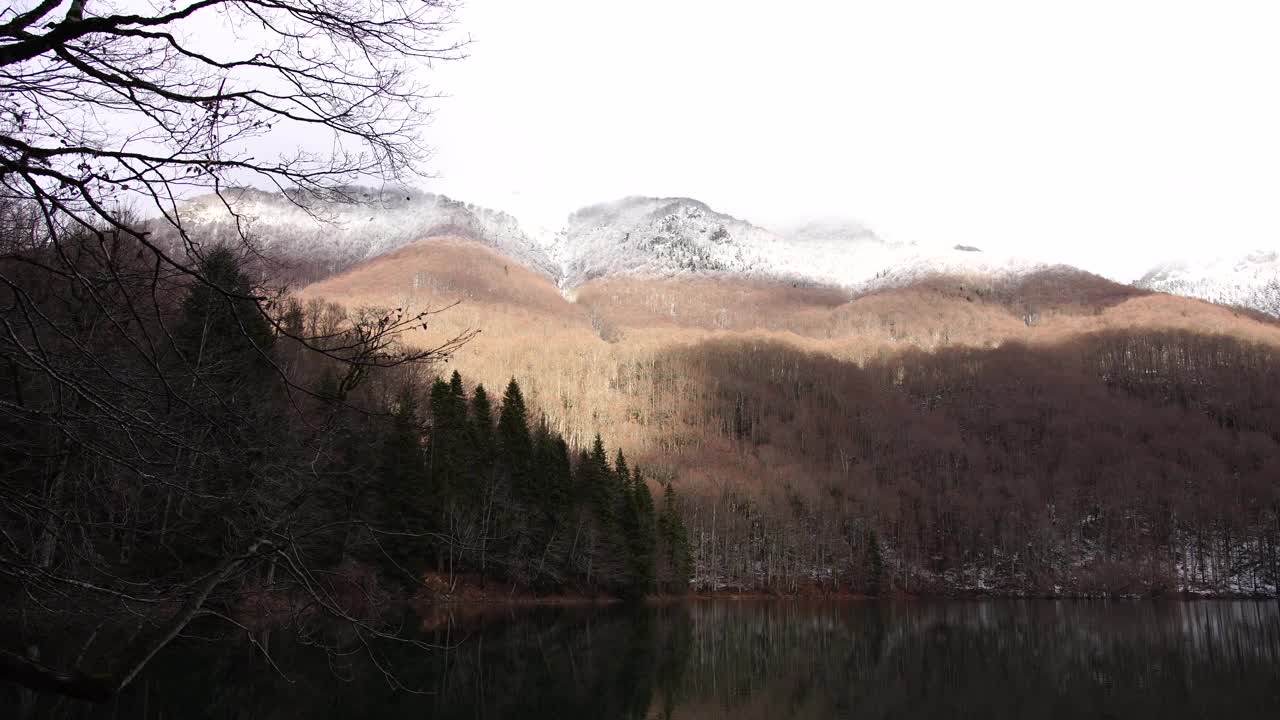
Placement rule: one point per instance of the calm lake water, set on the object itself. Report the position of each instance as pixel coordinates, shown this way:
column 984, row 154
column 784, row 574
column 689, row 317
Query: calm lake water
column 745, row 660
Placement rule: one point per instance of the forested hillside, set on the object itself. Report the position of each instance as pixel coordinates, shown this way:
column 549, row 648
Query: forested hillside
column 175, row 449
column 1120, row 462
column 1055, row 433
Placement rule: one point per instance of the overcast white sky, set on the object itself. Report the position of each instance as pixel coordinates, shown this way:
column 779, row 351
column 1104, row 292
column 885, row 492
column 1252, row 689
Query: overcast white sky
column 1108, row 134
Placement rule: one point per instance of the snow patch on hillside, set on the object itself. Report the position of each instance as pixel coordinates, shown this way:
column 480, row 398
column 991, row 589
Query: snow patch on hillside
column 336, row 236
column 1251, row 280
column 632, row 237
column 675, row 237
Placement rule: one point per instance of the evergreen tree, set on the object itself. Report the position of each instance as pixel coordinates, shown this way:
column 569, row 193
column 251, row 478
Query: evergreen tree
column 552, row 477
column 550, row 517
column 482, row 422
column 629, row 521
column 221, row 332
column 621, row 475
column 560, row 496
column 225, row 340
column 515, row 447
column 449, row 460
column 583, row 485
column 597, row 480
column 644, row 499
column 607, row 557
column 483, row 449
column 643, row 541
column 404, row 496
column 674, row 554
column 445, row 451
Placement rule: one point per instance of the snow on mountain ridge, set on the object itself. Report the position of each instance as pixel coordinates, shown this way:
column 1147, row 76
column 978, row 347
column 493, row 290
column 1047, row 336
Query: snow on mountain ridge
column 634, row 236
column 673, row 237
column 336, row 236
column 1249, row 280
column 661, row 237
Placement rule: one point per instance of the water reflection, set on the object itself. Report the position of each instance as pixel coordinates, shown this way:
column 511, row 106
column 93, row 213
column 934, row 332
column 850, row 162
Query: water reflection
column 996, row 659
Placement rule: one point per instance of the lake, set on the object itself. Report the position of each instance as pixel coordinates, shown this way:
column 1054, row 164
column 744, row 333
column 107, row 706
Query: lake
column 744, row 660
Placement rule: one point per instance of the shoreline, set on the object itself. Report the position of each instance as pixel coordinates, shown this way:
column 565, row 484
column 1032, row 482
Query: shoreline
column 526, row 599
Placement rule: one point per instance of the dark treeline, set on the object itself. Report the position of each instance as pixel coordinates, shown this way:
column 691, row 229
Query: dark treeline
column 476, row 491
column 176, row 447
column 1123, row 462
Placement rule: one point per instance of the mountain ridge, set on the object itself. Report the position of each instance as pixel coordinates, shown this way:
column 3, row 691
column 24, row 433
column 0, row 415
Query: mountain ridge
column 1250, row 280
column 662, row 237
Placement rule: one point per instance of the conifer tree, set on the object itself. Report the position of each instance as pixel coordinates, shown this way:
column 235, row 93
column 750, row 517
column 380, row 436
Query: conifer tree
column 560, row 495
column 225, row 341
column 446, row 429
column 606, row 556
column 483, row 447
column 221, row 333
column 465, row 432
column 482, row 421
column 643, row 538
column 583, row 486
column 621, row 474
column 551, row 474
column 405, row 500
column 597, row 480
column 448, row 462
column 629, row 521
column 674, row 553
column 515, row 448
column 644, row 499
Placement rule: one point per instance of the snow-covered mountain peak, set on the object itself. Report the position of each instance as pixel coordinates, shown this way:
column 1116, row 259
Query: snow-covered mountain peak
column 332, row 236
column 1250, row 279
column 658, row 237
column 635, row 237
column 673, row 237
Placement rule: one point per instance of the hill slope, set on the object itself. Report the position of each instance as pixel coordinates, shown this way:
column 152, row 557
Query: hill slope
column 957, row 417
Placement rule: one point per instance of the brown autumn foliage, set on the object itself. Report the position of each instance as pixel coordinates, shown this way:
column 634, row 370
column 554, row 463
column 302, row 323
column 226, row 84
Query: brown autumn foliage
column 1055, row 433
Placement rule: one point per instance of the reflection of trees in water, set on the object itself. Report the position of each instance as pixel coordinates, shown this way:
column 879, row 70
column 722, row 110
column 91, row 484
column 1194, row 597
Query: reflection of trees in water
column 761, row 660
column 552, row 663
column 1002, row 659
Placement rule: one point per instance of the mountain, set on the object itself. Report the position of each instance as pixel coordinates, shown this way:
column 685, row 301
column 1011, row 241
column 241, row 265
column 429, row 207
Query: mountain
column 1251, row 280
column 635, row 237
column 680, row 237
column 1048, row 432
column 317, row 240
column 1001, row 425
column 661, row 238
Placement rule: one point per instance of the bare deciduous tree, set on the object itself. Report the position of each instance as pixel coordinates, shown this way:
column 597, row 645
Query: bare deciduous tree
column 164, row 421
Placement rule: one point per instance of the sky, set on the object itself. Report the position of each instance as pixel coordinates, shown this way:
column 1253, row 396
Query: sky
column 1110, row 135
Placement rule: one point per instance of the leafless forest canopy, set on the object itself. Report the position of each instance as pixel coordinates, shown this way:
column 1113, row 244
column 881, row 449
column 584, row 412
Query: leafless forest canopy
column 1058, row 433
